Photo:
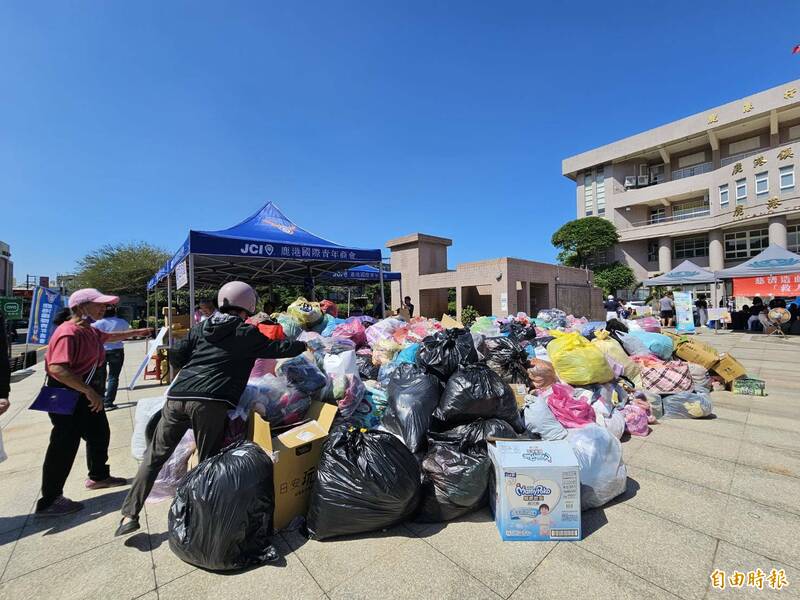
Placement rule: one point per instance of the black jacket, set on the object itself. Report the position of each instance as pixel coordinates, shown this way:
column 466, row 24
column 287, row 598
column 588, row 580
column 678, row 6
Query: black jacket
column 216, row 357
column 5, row 368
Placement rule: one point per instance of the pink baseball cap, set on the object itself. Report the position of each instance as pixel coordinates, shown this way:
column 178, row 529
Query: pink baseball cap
column 90, row 295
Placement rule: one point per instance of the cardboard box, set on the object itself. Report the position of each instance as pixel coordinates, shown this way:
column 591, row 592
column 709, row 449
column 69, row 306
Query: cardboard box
column 729, row 368
column 749, row 386
column 520, row 391
column 695, row 351
column 536, row 494
column 449, row 322
column 298, row 449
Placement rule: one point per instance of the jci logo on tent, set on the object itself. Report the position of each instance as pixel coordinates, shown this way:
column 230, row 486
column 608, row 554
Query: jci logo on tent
column 258, row 249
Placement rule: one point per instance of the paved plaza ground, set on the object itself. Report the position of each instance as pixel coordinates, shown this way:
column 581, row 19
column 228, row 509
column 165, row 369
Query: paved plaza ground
column 720, row 493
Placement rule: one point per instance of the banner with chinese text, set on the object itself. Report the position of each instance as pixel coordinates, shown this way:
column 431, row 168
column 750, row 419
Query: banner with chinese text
column 44, row 306
column 684, row 315
column 770, row 285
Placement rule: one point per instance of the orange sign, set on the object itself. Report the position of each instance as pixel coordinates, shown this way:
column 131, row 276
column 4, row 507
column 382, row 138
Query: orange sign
column 770, row 285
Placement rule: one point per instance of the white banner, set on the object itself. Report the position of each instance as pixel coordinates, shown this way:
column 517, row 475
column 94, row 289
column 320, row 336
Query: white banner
column 151, row 350
column 181, row 275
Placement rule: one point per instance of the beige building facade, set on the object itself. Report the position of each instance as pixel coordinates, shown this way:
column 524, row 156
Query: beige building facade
column 499, row 287
column 715, row 188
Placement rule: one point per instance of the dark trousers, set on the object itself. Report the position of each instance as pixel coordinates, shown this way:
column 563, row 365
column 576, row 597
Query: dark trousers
column 114, row 361
column 207, row 419
column 68, row 430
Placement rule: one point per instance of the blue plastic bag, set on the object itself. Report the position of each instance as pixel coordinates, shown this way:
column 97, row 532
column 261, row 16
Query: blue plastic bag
column 588, row 330
column 408, row 354
column 331, row 323
column 657, row 343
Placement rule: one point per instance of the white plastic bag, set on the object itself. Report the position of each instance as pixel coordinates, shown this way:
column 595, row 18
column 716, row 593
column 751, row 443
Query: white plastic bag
column 173, row 470
column 145, row 409
column 340, row 365
column 603, row 474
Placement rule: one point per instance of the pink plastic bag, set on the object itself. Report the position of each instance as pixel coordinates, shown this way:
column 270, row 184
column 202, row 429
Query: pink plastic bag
column 263, row 366
column 636, row 420
column 353, row 331
column 571, row 413
column 650, row 324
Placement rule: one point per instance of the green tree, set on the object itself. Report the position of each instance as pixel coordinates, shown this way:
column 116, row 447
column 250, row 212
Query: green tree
column 579, row 240
column 121, row 269
column 613, row 277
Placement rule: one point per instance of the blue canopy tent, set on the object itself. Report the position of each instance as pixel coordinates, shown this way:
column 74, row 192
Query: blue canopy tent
column 264, row 248
column 358, row 276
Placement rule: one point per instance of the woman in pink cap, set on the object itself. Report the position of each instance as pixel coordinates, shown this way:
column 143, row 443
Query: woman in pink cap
column 73, row 360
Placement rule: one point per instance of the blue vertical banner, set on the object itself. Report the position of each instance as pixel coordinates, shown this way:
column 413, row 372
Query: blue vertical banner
column 45, row 304
column 684, row 315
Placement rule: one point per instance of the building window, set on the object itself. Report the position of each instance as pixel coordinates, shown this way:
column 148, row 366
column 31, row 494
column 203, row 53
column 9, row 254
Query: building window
column 658, row 215
column 588, row 195
column 652, row 251
column 787, row 178
column 762, row 185
column 690, row 210
column 741, row 191
column 745, row 244
column 690, row 247
column 601, row 191
column 793, row 238
column 723, row 195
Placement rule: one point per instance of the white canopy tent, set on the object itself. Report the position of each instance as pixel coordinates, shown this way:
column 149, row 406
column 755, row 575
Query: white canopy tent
column 774, row 260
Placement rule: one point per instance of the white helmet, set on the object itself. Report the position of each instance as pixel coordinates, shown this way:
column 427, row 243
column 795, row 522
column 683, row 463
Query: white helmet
column 237, row 295
column 611, row 296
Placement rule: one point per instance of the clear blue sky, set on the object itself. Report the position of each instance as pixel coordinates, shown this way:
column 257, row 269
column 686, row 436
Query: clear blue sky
column 124, row 121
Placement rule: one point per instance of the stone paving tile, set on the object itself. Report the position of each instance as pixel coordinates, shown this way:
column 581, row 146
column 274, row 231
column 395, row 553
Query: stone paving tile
column 557, row 578
column 732, row 558
column 668, row 555
column 768, row 531
column 775, row 438
column 502, row 566
column 324, row 559
column 689, row 441
column 108, row 571
column 706, row 471
column 632, row 446
column 7, row 541
column 166, row 565
column 772, row 421
column 767, row 488
column 772, row 460
column 17, row 494
column 709, row 426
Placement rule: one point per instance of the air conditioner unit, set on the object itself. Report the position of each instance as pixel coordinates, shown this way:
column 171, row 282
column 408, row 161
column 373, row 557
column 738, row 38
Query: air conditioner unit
column 630, row 181
column 643, row 180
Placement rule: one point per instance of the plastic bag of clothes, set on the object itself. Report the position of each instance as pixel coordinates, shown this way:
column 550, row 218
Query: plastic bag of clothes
column 589, row 329
column 304, row 312
column 539, row 419
column 146, row 409
column 443, row 352
column 576, row 361
column 609, row 418
column 473, row 437
column 273, row 398
column 385, row 373
column 650, row 324
column 687, row 405
column 330, row 325
column 353, row 330
column 665, row 377
column 656, row 343
column 636, row 420
column 384, row 351
column 330, row 308
column 339, row 365
column 653, row 401
column 613, row 326
column 541, row 373
column 612, row 348
column 173, row 470
column 454, row 483
column 486, row 326
column 291, row 328
column 553, row 316
column 408, row 354
column 346, row 391
column 633, row 345
column 506, row 357
column 372, row 408
column 221, row 518
column 383, row 330
column 569, row 411
column 701, row 378
column 302, row 374
column 602, row 473
column 413, row 396
column 366, row 481
column 366, row 369
column 475, row 391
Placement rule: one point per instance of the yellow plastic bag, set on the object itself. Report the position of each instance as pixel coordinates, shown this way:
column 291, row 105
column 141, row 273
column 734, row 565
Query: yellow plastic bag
column 612, row 348
column 304, row 312
column 576, row 361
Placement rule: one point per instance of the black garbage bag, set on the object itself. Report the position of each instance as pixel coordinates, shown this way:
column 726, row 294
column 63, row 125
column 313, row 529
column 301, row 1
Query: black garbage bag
column 471, row 438
column 541, row 341
column 506, row 357
column 366, row 480
column 614, row 326
column 475, row 391
column 521, row 332
column 221, row 517
column 366, row 370
column 454, row 483
column 443, row 352
column 413, row 396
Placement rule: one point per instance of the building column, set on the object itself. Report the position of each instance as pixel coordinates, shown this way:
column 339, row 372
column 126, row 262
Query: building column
column 716, row 250
column 665, row 254
column 777, row 230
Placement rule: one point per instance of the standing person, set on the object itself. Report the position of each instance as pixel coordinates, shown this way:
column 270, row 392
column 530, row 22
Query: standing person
column 611, row 305
column 702, row 308
column 378, row 309
column 73, row 357
column 667, row 307
column 408, row 306
column 205, row 310
column 115, row 354
column 215, row 361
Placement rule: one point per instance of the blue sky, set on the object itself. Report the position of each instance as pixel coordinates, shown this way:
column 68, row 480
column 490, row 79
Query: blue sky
column 363, row 121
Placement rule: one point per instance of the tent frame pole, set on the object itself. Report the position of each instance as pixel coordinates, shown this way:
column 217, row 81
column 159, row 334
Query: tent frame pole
column 191, row 290
column 383, row 295
column 169, row 321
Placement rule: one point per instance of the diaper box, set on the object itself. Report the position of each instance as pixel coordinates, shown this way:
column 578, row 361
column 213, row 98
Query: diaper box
column 535, row 493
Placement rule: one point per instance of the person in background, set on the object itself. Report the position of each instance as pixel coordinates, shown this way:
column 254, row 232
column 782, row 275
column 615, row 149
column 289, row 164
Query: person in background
column 358, row 308
column 408, row 306
column 215, row 360
column 378, row 309
column 5, row 367
column 667, row 307
column 115, row 354
column 205, row 310
column 611, row 304
column 702, row 308
column 73, row 360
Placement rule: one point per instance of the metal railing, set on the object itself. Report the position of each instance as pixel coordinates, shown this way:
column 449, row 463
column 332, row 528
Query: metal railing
column 737, row 157
column 693, row 170
column 659, row 220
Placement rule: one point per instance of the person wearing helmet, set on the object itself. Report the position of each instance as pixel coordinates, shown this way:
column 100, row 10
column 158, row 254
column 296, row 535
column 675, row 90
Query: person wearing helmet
column 215, row 360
